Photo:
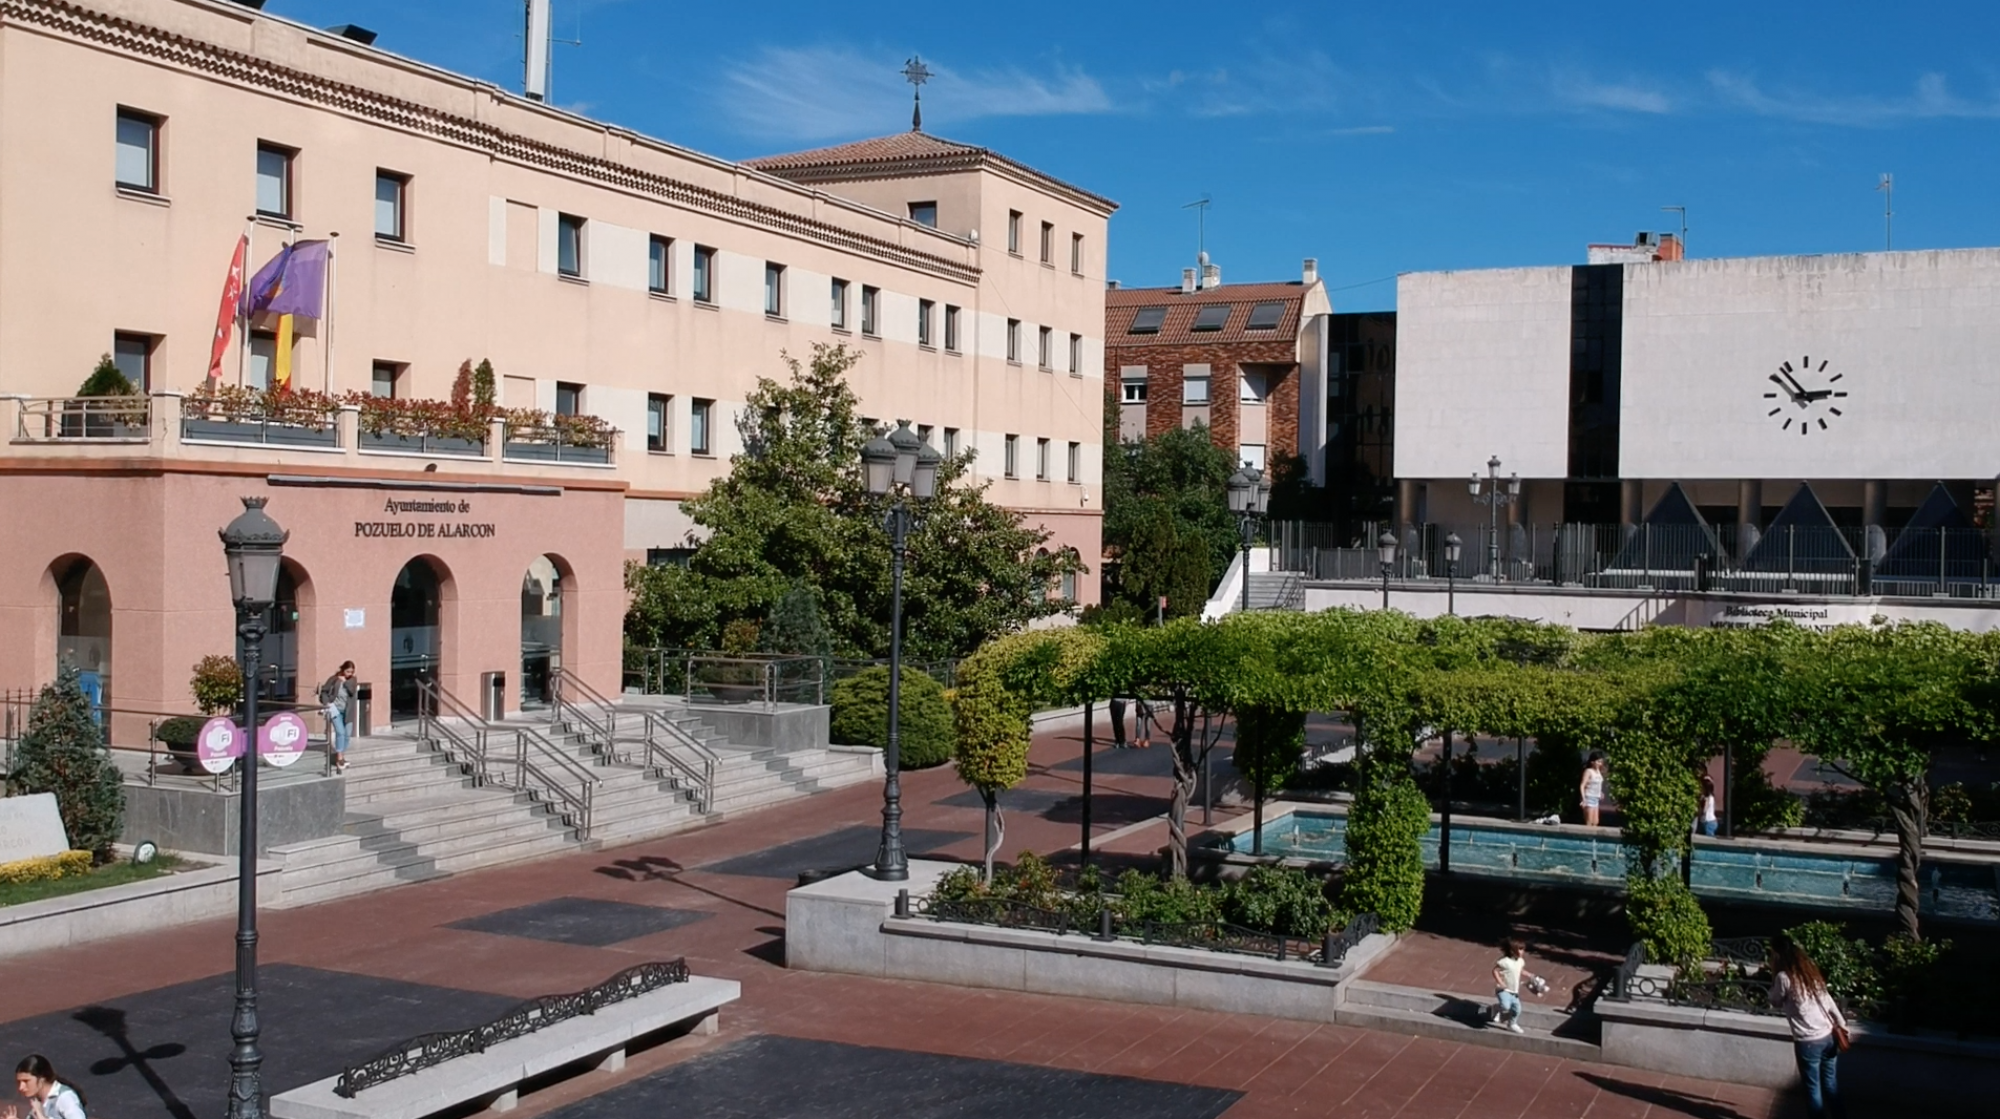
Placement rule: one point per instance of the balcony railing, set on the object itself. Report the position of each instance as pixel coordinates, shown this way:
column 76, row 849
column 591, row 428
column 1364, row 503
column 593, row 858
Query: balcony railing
column 81, row 419
column 309, row 422
column 553, row 443
column 1818, row 559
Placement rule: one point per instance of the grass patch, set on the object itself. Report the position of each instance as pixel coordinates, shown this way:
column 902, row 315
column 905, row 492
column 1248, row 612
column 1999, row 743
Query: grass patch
column 110, row 874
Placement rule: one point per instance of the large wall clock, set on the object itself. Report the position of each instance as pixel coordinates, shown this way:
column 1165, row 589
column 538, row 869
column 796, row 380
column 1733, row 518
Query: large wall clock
column 1807, row 397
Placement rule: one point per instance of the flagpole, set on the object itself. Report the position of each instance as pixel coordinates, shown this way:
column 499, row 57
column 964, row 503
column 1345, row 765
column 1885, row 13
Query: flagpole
column 332, row 295
column 242, row 303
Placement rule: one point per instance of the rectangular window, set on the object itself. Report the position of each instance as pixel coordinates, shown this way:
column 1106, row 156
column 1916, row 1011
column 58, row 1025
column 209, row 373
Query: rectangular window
column 1266, row 316
column 274, row 181
column 1048, row 243
column 1212, row 317
column 704, row 274
column 384, row 378
column 569, row 399
column 1041, row 460
column 925, row 310
column 660, row 265
column 774, row 290
column 1076, row 253
column 138, row 166
column 1069, row 586
column 924, row 433
column 1011, row 462
column 950, row 442
column 569, row 245
column 391, row 191
column 1076, row 353
column 951, row 328
column 869, row 298
column 1014, row 232
column 699, row 414
column 924, row 213
column 1076, row 462
column 1014, row 341
column 1194, row 390
column 133, row 354
column 1148, row 320
column 1133, row 390
column 263, row 355
column 840, row 304
column 668, row 557
column 1252, row 455
column 1251, row 388
column 658, row 408
column 1044, row 347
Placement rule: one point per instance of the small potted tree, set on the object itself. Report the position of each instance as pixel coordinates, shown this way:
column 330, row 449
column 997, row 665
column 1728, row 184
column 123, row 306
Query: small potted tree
column 736, row 680
column 113, row 422
column 217, row 686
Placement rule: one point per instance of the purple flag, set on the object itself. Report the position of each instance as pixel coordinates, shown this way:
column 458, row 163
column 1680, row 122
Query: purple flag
column 293, row 283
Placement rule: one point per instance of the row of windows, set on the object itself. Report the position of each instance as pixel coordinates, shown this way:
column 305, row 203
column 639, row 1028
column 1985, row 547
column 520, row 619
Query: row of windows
column 1252, row 387
column 1015, row 221
column 138, row 167
column 1045, row 348
column 1010, row 464
column 1215, row 316
column 659, row 424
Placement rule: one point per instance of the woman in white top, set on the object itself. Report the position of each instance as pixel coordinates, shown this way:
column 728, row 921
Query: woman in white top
column 1591, row 790
column 48, row 1097
column 1707, row 822
column 1798, row 989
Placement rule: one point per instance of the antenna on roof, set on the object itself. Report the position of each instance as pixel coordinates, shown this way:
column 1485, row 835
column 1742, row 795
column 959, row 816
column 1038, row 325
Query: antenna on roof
column 1200, row 208
column 540, row 45
column 1888, row 188
column 916, row 73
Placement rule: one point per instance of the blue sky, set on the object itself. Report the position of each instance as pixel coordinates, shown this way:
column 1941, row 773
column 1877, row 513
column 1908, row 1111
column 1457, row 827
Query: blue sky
column 1379, row 138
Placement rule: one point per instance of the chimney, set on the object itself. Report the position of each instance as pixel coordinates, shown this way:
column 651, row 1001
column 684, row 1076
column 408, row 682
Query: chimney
column 1211, row 276
column 1111, row 285
column 536, row 84
column 354, row 32
column 1187, row 281
column 1670, row 248
column 1311, row 271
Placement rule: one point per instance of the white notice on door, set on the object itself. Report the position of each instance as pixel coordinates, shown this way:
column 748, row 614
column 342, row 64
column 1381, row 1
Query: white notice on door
column 356, row 618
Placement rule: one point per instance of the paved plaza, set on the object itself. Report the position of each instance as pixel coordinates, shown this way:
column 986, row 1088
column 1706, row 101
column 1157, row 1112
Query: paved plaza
column 143, row 1022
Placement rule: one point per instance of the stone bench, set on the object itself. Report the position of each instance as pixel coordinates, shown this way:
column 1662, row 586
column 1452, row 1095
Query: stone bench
column 496, row 1075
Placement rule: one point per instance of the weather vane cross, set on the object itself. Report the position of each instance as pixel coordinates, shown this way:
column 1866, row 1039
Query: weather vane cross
column 916, row 73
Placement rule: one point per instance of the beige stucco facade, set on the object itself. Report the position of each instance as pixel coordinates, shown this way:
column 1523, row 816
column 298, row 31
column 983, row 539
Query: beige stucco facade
column 490, row 180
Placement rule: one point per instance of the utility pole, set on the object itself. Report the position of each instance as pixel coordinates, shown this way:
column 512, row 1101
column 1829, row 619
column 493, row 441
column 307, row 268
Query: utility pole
column 1683, row 212
column 1888, row 188
column 1200, row 208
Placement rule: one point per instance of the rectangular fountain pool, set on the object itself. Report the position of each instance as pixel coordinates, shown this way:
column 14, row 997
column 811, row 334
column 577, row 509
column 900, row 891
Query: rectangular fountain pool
column 1743, row 871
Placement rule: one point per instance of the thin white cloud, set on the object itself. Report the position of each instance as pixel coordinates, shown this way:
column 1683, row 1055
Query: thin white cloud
column 1632, row 96
column 1930, row 99
column 819, row 93
column 1363, row 130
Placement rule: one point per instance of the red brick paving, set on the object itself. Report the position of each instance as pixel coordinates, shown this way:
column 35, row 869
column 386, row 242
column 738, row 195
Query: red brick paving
column 1283, row 1067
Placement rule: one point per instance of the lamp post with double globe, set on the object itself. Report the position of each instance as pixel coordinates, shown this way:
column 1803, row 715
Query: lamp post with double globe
column 1385, row 550
column 254, row 546
column 903, row 468
column 1452, row 545
column 1249, row 496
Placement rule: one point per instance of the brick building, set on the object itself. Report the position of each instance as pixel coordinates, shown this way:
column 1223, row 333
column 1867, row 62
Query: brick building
column 1248, row 360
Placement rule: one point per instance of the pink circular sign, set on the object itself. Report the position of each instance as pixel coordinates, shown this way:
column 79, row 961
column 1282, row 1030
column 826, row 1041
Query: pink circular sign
column 219, row 744
column 282, row 739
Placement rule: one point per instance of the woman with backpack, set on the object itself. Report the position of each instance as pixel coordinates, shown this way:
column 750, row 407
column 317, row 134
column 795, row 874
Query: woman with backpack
column 336, row 696
column 48, row 1097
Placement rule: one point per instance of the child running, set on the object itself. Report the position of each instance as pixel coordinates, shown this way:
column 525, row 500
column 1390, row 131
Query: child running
column 1508, row 971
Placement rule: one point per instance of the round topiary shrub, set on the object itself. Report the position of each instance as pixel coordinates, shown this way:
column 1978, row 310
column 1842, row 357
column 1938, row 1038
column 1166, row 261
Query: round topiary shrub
column 861, row 716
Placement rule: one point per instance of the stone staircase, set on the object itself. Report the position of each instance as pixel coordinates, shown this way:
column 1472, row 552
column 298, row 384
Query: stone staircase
column 1453, row 1016
column 414, row 813
column 1276, row 590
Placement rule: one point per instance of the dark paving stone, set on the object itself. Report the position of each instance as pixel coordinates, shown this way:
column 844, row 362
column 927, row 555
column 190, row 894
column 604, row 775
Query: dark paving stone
column 769, row 1077
column 592, row 922
column 166, row 1051
column 1037, row 801
column 1156, row 760
column 836, row 850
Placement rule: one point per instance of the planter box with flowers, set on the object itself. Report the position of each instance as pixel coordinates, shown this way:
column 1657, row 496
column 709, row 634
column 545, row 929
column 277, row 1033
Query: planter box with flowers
column 234, row 414
column 537, row 436
column 421, row 427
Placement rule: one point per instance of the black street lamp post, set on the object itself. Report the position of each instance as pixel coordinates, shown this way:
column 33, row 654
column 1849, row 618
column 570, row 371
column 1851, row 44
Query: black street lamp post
column 1385, row 549
column 1494, row 498
column 901, row 467
column 1249, row 496
column 254, row 546
column 1452, row 544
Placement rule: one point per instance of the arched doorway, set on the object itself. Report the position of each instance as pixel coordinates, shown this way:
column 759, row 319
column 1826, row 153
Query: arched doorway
column 416, row 647
column 541, row 631
column 83, row 632
column 281, row 647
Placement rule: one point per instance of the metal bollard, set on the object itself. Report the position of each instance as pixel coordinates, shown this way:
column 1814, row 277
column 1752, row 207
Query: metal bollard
column 1104, row 924
column 903, row 904
column 1326, row 950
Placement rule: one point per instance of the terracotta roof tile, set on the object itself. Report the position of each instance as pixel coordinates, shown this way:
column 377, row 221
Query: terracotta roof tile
column 909, row 153
column 1122, row 305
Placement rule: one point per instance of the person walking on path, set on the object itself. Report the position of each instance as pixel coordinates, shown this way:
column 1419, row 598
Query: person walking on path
column 1142, row 723
column 1591, row 790
column 48, row 1097
column 1706, row 823
column 1117, row 723
column 1819, row 1031
column 1508, row 971
column 336, row 696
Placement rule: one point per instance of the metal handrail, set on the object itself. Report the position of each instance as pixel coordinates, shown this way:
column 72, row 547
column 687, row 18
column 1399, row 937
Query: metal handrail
column 581, row 801
column 566, row 690
column 660, row 758
column 527, row 776
column 84, row 419
column 15, row 704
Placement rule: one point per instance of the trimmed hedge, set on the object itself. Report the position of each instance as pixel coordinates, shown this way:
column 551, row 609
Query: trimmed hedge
column 861, row 716
column 46, row 868
column 1385, row 855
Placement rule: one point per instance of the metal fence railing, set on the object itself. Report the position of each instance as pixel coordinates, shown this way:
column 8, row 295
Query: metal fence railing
column 1812, row 559
column 796, row 679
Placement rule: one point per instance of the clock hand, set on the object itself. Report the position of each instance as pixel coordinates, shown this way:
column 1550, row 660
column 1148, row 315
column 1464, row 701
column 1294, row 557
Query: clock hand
column 1818, row 394
column 1797, row 388
column 1792, row 390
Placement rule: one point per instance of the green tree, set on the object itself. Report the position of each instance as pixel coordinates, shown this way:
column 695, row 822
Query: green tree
column 793, row 510
column 1166, row 517
column 107, row 380
column 63, row 752
column 1384, row 840
column 993, row 737
column 923, row 731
